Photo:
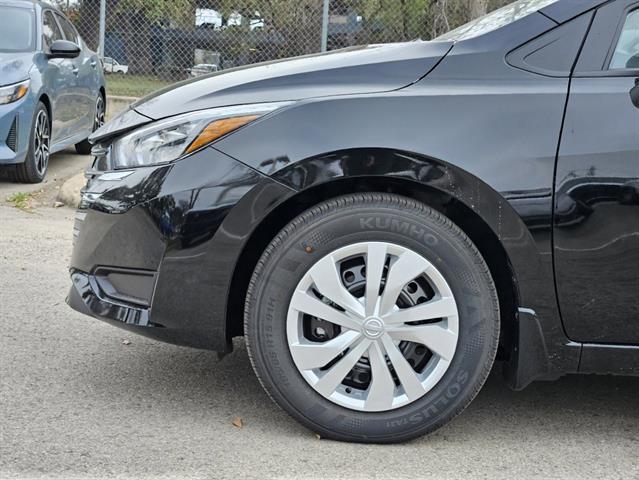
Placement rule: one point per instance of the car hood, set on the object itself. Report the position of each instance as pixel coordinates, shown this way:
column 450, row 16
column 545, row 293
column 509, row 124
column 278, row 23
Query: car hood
column 14, row 67
column 366, row 69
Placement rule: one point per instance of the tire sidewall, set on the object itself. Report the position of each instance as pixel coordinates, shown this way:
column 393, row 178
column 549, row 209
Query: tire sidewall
column 402, row 222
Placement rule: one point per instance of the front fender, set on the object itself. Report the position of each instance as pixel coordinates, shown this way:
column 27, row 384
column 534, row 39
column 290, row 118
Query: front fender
column 432, row 174
column 493, row 150
column 520, row 223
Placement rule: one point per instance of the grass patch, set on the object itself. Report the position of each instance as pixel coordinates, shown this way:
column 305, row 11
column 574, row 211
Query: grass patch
column 133, row 85
column 23, row 200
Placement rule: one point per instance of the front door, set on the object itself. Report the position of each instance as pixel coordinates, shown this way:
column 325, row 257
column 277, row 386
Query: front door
column 85, row 90
column 60, row 80
column 596, row 221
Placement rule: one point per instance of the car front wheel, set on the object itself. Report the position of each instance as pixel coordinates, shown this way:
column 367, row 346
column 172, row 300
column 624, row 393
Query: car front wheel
column 36, row 163
column 372, row 317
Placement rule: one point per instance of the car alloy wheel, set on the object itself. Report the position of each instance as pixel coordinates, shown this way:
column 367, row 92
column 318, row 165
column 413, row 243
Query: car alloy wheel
column 98, row 121
column 41, row 142
column 372, row 326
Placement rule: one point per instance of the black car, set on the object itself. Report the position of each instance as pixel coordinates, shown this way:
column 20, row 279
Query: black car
column 382, row 223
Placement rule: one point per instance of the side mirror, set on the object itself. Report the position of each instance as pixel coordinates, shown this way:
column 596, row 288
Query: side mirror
column 633, row 62
column 634, row 93
column 63, row 49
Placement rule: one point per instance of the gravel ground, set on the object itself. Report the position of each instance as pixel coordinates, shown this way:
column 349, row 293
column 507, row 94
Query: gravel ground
column 62, row 166
column 78, row 401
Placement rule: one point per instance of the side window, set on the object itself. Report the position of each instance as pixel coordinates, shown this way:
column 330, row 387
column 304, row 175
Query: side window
column 69, row 31
column 626, row 54
column 50, row 30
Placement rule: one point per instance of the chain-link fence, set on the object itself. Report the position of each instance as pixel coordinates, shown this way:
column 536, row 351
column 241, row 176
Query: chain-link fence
column 147, row 44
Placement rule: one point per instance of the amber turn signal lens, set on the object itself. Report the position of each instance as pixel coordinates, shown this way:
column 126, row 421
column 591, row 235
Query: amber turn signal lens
column 22, row 91
column 217, row 129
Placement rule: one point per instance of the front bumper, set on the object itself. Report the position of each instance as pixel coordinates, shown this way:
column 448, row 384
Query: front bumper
column 15, row 128
column 155, row 252
column 86, row 297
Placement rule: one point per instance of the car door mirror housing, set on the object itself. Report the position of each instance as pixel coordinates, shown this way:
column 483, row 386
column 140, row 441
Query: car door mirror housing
column 633, row 62
column 63, row 49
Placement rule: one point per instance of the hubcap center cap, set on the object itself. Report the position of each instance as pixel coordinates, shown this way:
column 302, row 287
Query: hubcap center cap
column 373, row 327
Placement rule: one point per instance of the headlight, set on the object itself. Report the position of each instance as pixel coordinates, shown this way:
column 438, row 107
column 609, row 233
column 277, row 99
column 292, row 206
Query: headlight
column 14, row 92
column 174, row 137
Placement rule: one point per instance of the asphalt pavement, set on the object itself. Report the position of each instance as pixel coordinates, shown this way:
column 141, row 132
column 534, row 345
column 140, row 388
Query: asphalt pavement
column 80, row 399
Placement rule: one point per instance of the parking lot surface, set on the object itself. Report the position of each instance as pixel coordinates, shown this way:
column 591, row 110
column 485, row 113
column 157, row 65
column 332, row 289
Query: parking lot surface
column 62, row 165
column 81, row 400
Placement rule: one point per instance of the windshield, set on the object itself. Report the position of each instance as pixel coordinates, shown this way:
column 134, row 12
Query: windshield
column 17, row 27
column 495, row 19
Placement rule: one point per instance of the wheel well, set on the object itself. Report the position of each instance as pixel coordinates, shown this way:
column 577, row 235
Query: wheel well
column 47, row 103
column 472, row 224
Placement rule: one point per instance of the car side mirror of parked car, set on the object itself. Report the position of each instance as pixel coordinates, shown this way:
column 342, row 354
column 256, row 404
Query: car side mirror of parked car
column 633, row 62
column 634, row 93
column 63, row 49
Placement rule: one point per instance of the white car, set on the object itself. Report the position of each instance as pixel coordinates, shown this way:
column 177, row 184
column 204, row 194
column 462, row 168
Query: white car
column 111, row 65
column 203, row 69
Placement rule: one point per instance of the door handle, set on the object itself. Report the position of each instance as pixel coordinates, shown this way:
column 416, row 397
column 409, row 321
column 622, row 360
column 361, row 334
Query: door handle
column 94, row 63
column 75, row 71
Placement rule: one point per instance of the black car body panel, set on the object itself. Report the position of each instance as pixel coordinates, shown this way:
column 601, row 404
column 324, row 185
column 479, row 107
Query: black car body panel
column 487, row 137
column 597, row 202
column 373, row 68
column 179, row 222
column 123, row 122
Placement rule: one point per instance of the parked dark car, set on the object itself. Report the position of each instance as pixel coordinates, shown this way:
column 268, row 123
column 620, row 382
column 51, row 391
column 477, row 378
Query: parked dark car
column 52, row 92
column 382, row 223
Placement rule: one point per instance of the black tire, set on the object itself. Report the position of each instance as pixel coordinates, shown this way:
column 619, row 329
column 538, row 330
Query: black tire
column 345, row 221
column 84, row 147
column 32, row 170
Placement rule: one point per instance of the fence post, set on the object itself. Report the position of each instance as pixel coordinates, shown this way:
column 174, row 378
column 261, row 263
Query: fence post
column 102, row 28
column 325, row 25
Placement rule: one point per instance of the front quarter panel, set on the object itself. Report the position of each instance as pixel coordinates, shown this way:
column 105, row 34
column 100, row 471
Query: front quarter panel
column 489, row 142
column 161, row 220
column 22, row 110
